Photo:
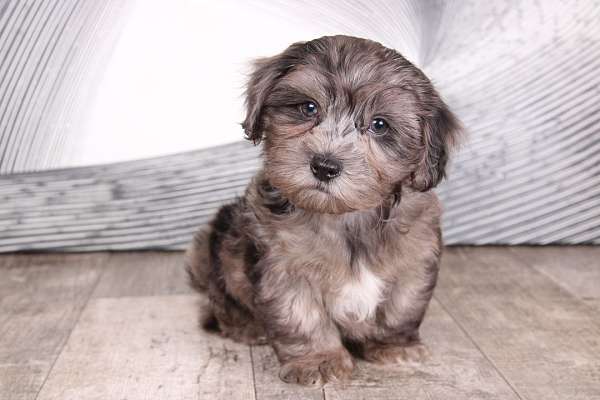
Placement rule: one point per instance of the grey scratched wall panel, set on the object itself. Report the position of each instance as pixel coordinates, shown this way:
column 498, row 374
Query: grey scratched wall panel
column 521, row 75
column 525, row 85
column 155, row 203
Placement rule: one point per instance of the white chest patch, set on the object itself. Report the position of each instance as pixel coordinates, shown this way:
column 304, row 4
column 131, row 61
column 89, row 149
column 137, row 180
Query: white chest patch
column 358, row 299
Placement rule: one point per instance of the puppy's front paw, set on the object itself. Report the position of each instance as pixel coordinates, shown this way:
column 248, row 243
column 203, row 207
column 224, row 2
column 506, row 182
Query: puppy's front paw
column 301, row 373
column 318, row 369
column 394, row 354
column 337, row 368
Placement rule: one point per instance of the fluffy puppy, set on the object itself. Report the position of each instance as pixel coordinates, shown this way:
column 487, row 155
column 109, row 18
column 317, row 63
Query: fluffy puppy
column 336, row 241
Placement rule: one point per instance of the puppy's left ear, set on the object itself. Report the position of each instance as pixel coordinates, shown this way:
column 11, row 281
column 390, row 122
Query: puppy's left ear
column 441, row 131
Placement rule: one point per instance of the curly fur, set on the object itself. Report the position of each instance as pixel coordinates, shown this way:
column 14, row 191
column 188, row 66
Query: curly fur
column 312, row 267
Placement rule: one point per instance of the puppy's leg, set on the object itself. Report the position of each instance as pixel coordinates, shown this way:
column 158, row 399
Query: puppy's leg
column 231, row 319
column 196, row 260
column 230, row 291
column 400, row 318
column 305, row 340
column 391, row 351
column 396, row 344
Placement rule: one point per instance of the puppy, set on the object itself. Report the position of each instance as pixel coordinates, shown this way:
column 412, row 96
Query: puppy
column 336, row 241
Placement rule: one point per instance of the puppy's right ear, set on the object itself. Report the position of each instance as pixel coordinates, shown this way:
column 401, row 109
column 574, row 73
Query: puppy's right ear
column 266, row 72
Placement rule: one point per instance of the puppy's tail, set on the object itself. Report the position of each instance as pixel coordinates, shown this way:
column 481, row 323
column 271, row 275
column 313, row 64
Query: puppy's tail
column 197, row 260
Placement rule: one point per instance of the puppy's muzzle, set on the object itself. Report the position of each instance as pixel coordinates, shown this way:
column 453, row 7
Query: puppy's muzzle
column 325, row 167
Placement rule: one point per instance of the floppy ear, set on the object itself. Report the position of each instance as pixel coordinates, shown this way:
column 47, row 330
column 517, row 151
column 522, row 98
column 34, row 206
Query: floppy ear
column 261, row 81
column 265, row 74
column 441, row 130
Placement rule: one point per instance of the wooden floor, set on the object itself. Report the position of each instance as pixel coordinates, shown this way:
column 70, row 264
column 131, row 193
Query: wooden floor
column 506, row 323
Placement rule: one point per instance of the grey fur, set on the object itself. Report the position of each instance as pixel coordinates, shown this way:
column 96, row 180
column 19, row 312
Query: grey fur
column 313, row 266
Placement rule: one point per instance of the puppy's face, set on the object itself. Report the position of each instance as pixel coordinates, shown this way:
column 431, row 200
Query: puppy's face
column 346, row 122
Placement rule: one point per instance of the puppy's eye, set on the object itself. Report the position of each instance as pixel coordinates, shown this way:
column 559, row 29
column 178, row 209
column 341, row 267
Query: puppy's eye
column 309, row 109
column 378, row 126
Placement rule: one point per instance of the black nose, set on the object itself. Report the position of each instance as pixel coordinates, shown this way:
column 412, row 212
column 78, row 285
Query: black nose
column 325, row 168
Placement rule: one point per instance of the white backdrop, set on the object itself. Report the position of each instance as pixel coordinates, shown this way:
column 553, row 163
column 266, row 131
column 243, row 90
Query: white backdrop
column 176, row 77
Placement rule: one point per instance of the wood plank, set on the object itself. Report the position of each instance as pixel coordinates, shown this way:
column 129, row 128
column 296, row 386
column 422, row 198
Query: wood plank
column 267, row 383
column 522, row 307
column 143, row 274
column 22, row 381
column 41, row 298
column 148, row 348
column 455, row 370
column 574, row 268
column 542, row 339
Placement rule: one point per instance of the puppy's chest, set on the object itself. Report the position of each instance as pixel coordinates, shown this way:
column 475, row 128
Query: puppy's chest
column 354, row 298
column 352, row 287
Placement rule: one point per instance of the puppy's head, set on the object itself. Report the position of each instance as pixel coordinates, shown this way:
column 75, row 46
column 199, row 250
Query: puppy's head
column 346, row 122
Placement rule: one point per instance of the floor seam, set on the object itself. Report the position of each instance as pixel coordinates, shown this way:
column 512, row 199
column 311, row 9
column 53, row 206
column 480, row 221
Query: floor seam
column 466, row 333
column 253, row 374
column 134, row 296
column 568, row 292
column 68, row 337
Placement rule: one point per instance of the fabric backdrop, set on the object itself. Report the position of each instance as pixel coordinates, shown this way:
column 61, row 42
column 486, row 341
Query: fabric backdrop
column 521, row 75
